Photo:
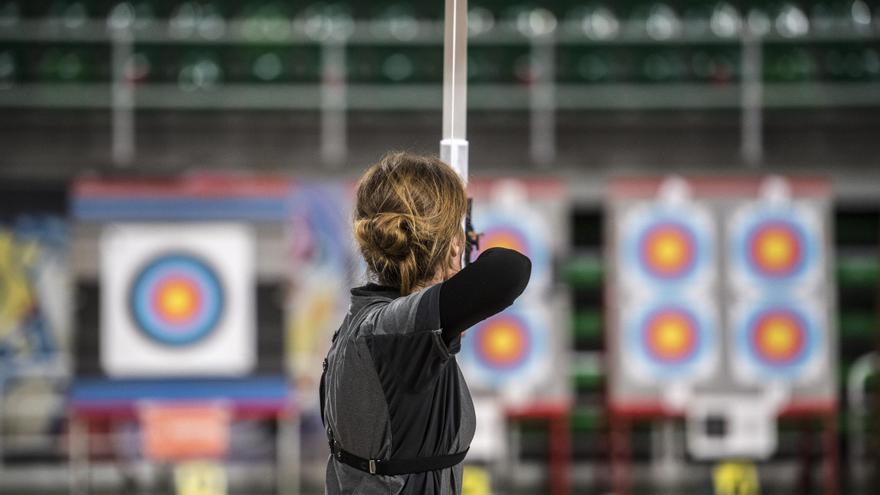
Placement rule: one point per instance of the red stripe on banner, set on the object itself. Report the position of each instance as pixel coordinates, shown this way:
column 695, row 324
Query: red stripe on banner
column 647, row 187
column 536, row 410
column 536, row 188
column 199, row 186
column 656, row 409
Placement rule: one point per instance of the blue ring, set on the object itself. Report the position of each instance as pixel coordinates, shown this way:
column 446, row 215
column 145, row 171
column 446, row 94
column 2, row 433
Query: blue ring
column 523, row 330
column 210, row 290
column 703, row 248
column 812, row 340
column 635, row 329
column 742, row 252
column 143, row 299
column 689, row 234
column 499, row 376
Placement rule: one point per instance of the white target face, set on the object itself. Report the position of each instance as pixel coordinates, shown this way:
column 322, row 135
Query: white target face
column 669, row 341
column 177, row 300
column 666, row 247
column 507, row 353
column 773, row 247
column 781, row 341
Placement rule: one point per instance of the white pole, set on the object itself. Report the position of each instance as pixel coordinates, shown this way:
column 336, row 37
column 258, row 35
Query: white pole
column 454, row 145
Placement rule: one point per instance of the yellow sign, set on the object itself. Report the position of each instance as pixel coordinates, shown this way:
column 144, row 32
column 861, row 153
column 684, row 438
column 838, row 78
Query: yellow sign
column 16, row 290
column 736, row 478
column 199, row 478
column 476, row 481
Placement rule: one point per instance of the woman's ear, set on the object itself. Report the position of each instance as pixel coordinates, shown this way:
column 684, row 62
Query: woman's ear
column 454, row 261
column 456, row 253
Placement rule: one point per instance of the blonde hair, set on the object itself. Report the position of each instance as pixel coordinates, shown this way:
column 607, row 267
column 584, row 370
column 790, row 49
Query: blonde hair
column 407, row 218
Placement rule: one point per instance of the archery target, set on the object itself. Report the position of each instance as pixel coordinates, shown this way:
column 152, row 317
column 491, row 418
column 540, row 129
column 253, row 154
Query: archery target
column 670, row 340
column 177, row 300
column 782, row 341
column 775, row 246
column 507, row 351
column 668, row 246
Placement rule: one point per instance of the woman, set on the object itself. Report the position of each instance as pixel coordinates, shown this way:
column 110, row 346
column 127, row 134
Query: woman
column 398, row 413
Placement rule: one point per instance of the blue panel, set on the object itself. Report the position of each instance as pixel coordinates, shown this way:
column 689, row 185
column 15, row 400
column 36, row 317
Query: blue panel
column 264, row 388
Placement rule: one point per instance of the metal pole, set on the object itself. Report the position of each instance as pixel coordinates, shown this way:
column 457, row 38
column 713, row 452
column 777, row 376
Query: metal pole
column 122, row 98
column 862, row 369
column 334, row 102
column 78, row 455
column 454, row 145
column 542, row 100
column 751, row 128
column 2, row 414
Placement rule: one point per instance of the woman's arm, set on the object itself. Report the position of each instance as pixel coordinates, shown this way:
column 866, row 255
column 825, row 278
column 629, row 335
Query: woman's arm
column 485, row 287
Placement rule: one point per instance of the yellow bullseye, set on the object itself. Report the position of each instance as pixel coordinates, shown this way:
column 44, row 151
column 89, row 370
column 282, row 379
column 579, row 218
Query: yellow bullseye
column 668, row 250
column 671, row 336
column 503, row 342
column 779, row 337
column 177, row 300
column 504, row 240
column 776, row 249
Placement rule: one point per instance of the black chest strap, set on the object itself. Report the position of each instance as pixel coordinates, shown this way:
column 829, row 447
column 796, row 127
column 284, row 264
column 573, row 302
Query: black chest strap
column 388, row 467
column 391, row 467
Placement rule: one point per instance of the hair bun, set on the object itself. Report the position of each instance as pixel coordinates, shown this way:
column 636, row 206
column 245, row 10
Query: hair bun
column 407, row 219
column 389, row 233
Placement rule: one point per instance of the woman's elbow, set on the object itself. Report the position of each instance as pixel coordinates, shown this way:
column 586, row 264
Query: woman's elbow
column 517, row 271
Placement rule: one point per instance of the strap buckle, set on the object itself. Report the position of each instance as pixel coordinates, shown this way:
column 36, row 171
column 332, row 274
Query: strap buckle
column 372, row 466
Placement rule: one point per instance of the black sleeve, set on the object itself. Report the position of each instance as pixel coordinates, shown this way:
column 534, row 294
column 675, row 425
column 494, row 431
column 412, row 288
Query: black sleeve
column 485, row 287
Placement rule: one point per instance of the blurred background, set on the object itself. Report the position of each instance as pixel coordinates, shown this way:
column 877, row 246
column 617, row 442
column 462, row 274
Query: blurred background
column 696, row 182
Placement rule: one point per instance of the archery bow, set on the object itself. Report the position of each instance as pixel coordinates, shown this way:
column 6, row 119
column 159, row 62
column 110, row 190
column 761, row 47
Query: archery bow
column 454, row 144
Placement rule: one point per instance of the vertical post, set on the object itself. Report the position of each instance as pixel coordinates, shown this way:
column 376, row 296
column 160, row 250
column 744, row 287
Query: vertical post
column 334, row 104
column 123, row 144
column 751, row 124
column 832, row 458
column 861, row 370
column 560, row 454
column 78, row 455
column 511, row 458
column 619, row 451
column 288, row 456
column 2, row 414
column 454, row 145
column 542, row 100
column 665, row 453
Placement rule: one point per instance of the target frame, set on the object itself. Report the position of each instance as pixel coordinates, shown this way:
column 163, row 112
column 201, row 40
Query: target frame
column 801, row 222
column 226, row 347
column 747, row 363
column 646, row 367
column 142, row 300
column 693, row 221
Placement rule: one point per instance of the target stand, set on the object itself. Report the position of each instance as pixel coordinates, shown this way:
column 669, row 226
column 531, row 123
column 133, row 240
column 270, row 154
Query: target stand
column 180, row 328
column 516, row 362
column 718, row 304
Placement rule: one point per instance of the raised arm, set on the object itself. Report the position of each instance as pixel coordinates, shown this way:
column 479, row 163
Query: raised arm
column 485, row 287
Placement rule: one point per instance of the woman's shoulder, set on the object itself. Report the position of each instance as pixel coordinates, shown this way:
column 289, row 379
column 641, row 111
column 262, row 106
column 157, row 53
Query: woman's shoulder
column 384, row 312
